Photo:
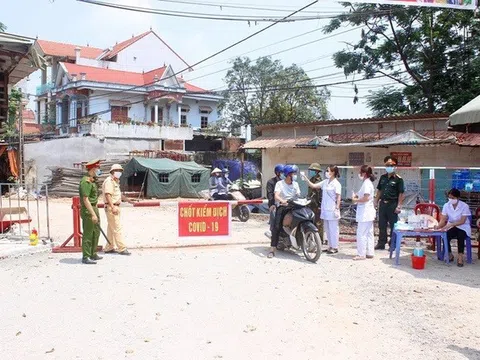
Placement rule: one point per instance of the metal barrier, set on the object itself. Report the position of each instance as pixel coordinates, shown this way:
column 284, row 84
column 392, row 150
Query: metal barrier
column 76, row 236
column 23, row 211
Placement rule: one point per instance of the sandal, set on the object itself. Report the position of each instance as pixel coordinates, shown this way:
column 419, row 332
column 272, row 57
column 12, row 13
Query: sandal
column 369, row 256
column 451, row 258
column 459, row 264
column 332, row 251
column 359, row 258
column 271, row 254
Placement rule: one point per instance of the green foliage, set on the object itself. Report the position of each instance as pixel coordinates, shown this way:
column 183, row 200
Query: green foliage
column 265, row 92
column 9, row 127
column 3, row 28
column 431, row 55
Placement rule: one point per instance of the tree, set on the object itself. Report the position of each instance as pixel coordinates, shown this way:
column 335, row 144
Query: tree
column 3, row 28
column 431, row 55
column 265, row 92
column 10, row 126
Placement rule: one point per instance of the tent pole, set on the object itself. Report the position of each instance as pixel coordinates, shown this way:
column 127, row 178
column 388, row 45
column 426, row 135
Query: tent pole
column 143, row 185
column 242, row 160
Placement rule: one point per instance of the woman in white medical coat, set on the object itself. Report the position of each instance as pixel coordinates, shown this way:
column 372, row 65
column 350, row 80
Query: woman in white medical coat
column 365, row 214
column 330, row 207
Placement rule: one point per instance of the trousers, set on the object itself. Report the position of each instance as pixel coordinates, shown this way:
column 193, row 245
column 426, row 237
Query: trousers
column 91, row 233
column 460, row 235
column 333, row 233
column 318, row 221
column 365, row 239
column 114, row 231
column 277, row 225
column 386, row 218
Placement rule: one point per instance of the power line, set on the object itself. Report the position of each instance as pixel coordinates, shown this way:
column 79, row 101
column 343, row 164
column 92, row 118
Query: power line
column 206, row 16
column 224, row 49
column 237, row 6
column 220, row 51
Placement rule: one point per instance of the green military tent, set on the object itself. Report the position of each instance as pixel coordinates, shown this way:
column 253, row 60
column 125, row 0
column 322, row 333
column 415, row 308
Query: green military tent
column 165, row 178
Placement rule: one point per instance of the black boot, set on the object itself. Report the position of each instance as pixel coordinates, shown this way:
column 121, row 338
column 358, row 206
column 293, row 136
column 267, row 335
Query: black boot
column 88, row 261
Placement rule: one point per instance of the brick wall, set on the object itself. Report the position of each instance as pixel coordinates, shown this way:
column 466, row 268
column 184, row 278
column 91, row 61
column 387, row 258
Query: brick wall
column 173, row 145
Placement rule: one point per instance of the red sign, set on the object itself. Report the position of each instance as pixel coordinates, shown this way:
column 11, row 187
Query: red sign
column 404, row 158
column 204, row 218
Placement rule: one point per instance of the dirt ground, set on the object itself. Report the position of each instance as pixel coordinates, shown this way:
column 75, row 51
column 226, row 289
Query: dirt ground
column 231, row 302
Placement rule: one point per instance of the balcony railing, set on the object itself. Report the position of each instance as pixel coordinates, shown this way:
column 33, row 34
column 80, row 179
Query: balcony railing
column 43, row 89
column 131, row 131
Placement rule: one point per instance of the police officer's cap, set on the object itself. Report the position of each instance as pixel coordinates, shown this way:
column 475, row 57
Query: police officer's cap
column 93, row 164
column 315, row 166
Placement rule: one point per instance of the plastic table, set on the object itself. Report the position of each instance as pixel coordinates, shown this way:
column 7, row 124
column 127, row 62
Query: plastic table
column 399, row 234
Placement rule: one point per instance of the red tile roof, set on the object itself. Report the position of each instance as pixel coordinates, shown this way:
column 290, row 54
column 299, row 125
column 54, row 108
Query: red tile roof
column 68, row 50
column 124, row 44
column 121, row 77
column 149, row 77
column 32, row 129
column 28, row 116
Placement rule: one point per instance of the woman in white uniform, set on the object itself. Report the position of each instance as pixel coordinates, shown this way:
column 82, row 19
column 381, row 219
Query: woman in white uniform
column 365, row 214
column 456, row 222
column 330, row 207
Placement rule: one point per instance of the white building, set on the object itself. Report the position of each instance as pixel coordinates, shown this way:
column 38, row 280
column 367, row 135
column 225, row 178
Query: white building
column 127, row 91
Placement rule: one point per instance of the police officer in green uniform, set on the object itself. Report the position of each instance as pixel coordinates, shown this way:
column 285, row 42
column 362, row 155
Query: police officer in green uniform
column 389, row 200
column 315, row 195
column 89, row 212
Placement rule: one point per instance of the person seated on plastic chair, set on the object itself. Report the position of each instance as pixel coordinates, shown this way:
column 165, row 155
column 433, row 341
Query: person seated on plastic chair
column 455, row 220
column 285, row 190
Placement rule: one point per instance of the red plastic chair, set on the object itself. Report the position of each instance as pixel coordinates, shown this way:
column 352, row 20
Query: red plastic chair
column 428, row 209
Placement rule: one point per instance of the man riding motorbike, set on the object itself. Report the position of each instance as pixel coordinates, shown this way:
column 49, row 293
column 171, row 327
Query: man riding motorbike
column 285, row 190
column 278, row 170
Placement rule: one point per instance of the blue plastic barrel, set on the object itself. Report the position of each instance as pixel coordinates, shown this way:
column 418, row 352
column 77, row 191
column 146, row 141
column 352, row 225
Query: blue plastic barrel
column 476, row 181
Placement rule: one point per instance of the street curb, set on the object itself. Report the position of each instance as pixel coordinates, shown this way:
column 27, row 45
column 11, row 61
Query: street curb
column 26, row 251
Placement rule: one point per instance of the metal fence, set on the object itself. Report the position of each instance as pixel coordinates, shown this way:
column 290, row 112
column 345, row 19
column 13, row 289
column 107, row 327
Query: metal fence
column 23, row 211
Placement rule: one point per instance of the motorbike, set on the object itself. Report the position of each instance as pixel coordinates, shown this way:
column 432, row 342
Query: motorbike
column 242, row 212
column 299, row 230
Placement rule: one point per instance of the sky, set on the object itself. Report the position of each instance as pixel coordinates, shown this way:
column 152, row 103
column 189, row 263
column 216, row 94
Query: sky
column 195, row 39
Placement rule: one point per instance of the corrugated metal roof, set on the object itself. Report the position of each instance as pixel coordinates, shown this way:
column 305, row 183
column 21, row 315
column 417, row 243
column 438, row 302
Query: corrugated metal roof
column 263, row 142
column 356, row 120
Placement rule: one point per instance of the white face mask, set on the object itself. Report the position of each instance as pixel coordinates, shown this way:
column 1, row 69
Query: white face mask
column 453, row 201
column 360, row 176
column 327, row 175
column 117, row 174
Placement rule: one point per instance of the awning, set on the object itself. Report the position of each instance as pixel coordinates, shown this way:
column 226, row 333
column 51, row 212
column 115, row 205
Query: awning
column 205, row 108
column 467, row 114
column 18, row 56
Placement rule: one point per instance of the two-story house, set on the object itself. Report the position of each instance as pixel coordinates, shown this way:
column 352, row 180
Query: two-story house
column 130, row 90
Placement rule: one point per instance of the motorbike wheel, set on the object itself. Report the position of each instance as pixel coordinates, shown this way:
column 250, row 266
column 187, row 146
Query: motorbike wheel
column 311, row 246
column 243, row 213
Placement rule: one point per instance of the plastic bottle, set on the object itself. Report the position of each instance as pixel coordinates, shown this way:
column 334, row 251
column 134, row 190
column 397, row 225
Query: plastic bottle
column 418, row 251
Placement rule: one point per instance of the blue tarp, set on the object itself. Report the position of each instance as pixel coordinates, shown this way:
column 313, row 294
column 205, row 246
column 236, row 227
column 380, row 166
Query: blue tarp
column 250, row 170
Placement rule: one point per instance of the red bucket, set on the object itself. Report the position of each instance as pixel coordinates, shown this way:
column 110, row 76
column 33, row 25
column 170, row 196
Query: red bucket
column 418, row 262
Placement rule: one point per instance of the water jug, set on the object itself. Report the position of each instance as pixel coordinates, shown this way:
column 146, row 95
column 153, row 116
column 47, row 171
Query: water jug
column 418, row 251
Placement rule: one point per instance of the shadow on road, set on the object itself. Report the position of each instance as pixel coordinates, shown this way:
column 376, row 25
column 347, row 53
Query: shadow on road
column 262, row 251
column 438, row 270
column 71, row 261
column 469, row 353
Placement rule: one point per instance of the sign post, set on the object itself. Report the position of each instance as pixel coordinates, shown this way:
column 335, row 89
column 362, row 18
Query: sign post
column 204, row 219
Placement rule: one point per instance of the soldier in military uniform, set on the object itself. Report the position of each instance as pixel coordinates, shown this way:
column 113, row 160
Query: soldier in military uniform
column 389, row 200
column 89, row 212
column 315, row 195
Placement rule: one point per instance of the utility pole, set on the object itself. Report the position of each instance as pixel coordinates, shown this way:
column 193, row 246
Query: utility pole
column 21, row 140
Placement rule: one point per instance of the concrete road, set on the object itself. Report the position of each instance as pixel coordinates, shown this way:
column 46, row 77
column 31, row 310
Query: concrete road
column 231, row 302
